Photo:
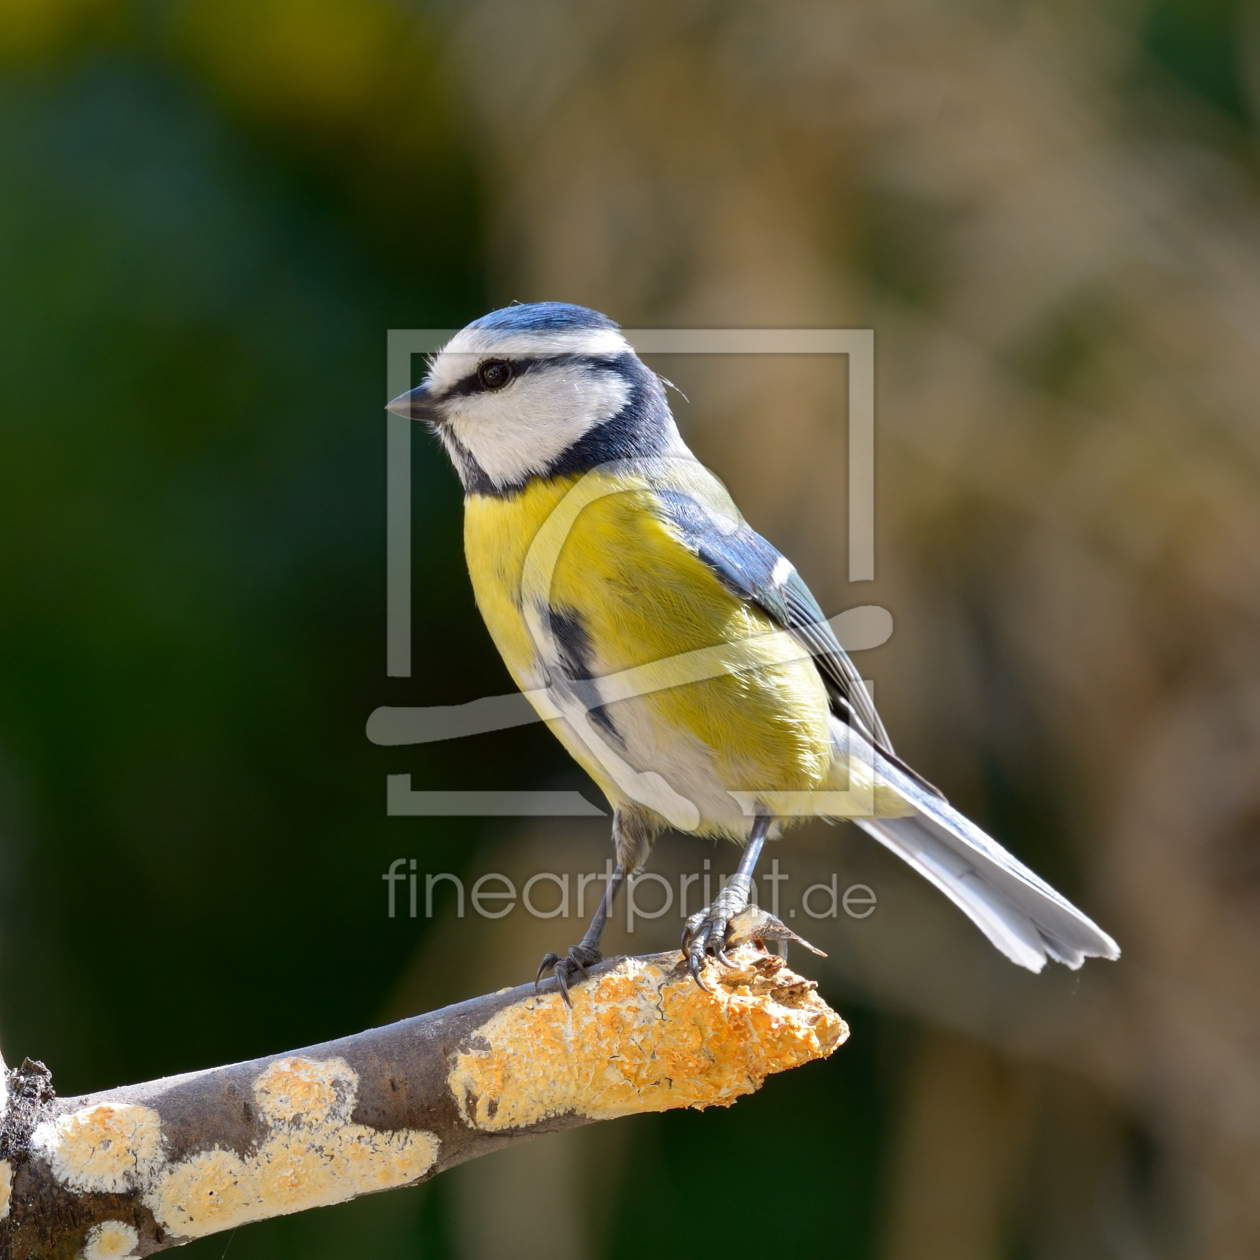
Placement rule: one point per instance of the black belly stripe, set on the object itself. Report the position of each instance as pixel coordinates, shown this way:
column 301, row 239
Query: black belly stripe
column 576, row 655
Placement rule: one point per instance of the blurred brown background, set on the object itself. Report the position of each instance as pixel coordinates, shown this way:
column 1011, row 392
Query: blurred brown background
column 1048, row 212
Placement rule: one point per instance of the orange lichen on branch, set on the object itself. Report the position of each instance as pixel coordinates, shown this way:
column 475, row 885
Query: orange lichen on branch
column 150, row 1166
column 643, row 1036
column 313, row 1155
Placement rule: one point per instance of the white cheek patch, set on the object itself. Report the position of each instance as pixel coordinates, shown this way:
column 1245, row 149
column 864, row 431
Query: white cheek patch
column 523, row 429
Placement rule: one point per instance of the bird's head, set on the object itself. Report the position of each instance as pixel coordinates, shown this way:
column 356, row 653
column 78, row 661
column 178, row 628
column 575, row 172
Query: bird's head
column 538, row 391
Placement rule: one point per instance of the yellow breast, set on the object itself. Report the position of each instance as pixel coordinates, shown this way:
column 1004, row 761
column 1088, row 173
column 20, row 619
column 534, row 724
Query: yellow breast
column 595, row 550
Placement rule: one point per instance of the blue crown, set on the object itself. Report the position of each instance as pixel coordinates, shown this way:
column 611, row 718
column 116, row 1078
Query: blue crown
column 542, row 317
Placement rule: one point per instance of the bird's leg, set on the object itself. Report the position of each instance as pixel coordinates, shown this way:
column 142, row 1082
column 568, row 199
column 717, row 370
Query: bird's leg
column 632, row 840
column 586, row 952
column 707, row 929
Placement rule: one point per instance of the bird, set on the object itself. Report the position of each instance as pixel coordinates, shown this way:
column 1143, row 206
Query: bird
column 676, row 654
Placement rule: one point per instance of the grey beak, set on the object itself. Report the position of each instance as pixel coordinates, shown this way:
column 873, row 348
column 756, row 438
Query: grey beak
column 415, row 404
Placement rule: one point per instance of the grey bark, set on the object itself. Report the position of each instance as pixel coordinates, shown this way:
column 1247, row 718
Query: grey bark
column 402, row 1070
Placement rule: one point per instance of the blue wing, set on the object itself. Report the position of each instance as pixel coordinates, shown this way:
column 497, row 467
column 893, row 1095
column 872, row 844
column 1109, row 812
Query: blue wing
column 751, row 568
column 1020, row 913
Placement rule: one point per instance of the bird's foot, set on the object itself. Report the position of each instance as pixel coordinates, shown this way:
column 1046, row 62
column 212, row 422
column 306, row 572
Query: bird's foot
column 569, row 968
column 705, row 932
column 725, row 924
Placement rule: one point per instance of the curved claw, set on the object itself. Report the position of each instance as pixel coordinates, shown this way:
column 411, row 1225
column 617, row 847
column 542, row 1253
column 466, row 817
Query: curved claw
column 548, row 961
column 568, row 967
column 696, row 952
column 711, row 930
column 693, row 965
column 706, row 933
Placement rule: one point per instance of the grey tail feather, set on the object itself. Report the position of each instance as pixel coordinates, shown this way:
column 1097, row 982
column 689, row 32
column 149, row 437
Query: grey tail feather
column 1018, row 911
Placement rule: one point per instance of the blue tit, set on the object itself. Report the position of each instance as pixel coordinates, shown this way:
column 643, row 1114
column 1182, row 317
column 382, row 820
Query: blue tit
column 674, row 652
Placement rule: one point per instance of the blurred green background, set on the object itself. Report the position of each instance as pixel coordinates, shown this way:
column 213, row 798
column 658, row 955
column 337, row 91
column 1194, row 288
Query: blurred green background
column 213, row 210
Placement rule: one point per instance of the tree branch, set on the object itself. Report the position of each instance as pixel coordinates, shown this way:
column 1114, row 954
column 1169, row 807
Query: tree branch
column 134, row 1170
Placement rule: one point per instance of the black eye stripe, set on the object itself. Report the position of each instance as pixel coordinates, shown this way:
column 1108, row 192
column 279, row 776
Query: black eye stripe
column 472, row 384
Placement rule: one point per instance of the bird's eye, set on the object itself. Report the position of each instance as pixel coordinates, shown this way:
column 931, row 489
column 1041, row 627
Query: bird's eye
column 494, row 374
